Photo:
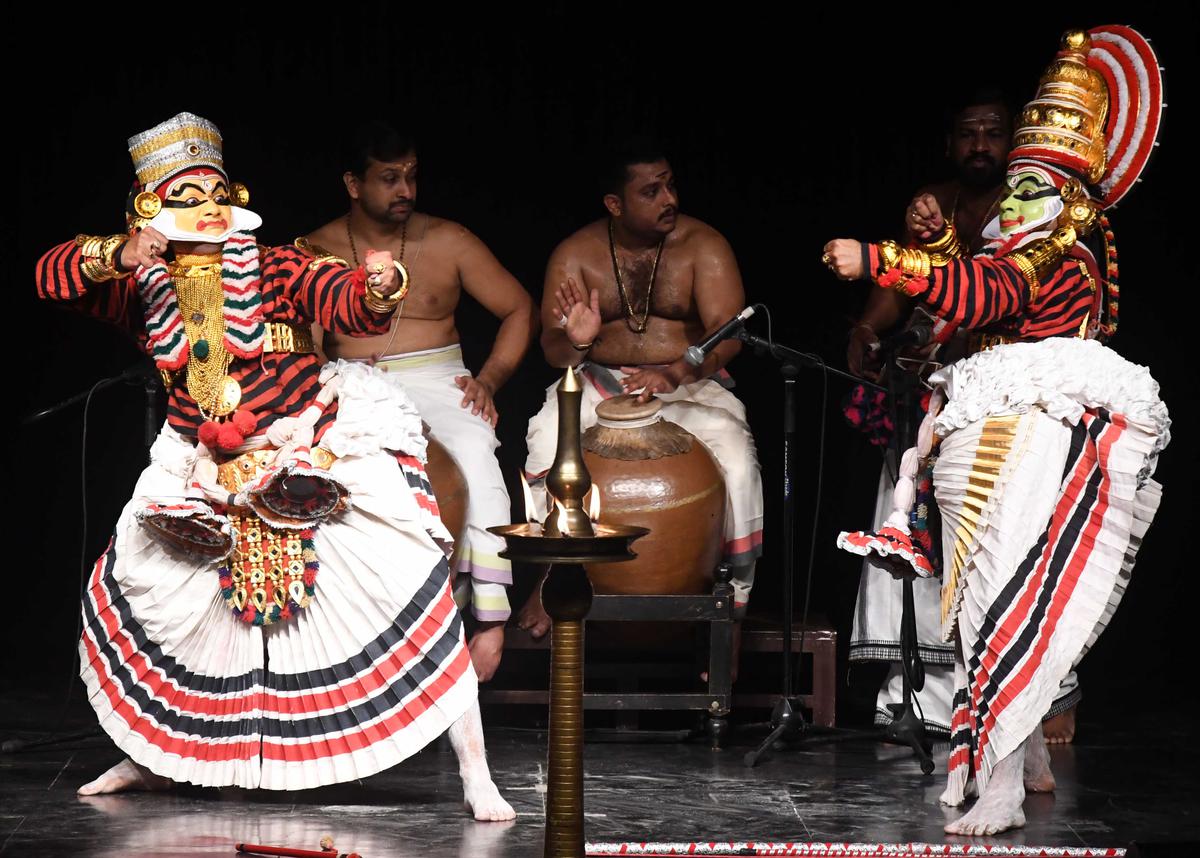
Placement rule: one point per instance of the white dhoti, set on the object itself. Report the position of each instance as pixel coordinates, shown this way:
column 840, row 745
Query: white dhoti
column 708, row 411
column 372, row 670
column 483, row 577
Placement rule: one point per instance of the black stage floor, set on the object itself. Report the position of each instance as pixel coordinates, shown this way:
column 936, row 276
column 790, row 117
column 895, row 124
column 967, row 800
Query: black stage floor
column 1117, row 784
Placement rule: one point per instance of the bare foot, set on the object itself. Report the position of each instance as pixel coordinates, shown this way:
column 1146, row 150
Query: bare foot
column 999, row 807
column 125, row 776
column 735, row 654
column 479, row 793
column 533, row 617
column 1060, row 729
column 485, row 803
column 1037, row 774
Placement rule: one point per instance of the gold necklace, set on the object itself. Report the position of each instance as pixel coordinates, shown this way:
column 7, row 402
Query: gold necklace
column 354, row 248
column 631, row 320
column 197, row 282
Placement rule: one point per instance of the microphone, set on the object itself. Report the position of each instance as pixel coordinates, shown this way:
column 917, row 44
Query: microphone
column 695, row 355
column 917, row 336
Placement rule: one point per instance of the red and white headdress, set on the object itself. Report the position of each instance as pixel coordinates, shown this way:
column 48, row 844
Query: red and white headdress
column 1097, row 112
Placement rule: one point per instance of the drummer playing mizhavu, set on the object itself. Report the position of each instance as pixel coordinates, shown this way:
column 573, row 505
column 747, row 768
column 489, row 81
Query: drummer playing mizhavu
column 624, row 298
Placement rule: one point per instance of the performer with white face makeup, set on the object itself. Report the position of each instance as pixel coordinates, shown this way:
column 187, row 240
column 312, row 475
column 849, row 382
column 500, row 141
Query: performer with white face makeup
column 1042, row 444
column 274, row 610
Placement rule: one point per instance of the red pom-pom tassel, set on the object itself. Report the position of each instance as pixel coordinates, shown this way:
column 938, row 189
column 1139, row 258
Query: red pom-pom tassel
column 208, row 434
column 228, row 437
column 245, row 421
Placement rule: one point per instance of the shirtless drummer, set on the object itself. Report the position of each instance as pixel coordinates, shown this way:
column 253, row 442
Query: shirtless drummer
column 624, row 298
column 421, row 350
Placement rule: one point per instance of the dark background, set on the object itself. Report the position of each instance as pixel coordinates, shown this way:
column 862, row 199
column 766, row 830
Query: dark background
column 784, row 131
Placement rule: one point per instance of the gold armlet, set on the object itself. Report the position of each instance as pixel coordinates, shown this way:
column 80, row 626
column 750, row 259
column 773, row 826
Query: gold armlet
column 1039, row 258
column 944, row 249
column 99, row 251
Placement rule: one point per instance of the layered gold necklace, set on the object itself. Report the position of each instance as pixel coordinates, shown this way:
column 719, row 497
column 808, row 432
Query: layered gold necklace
column 197, row 281
column 638, row 326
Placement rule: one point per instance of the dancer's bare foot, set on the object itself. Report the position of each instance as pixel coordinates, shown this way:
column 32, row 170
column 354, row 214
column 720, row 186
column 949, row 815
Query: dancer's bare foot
column 533, row 617
column 999, row 807
column 480, row 794
column 1037, row 774
column 735, row 655
column 125, row 776
column 1060, row 729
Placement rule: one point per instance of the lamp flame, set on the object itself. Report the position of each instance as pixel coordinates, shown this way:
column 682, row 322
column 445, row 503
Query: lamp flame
column 531, row 513
column 594, row 503
column 564, row 523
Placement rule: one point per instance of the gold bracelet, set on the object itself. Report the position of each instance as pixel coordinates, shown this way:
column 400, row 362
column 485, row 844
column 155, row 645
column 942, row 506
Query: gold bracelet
column 582, row 347
column 377, row 302
column 98, row 252
column 943, row 249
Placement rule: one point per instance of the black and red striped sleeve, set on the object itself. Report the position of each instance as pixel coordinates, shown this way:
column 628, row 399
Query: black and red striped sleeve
column 969, row 293
column 59, row 276
column 327, row 293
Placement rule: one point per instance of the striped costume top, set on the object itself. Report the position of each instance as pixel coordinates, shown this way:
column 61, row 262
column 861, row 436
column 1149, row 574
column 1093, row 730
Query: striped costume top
column 274, row 384
column 990, row 295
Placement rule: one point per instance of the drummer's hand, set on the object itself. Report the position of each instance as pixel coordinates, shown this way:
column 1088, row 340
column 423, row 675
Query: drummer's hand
column 843, row 256
column 578, row 312
column 144, row 249
column 860, row 359
column 486, row 647
column 924, row 217
column 477, row 396
column 381, row 273
column 650, row 381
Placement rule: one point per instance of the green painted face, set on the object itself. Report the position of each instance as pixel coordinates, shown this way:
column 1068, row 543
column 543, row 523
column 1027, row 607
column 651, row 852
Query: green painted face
column 1026, row 202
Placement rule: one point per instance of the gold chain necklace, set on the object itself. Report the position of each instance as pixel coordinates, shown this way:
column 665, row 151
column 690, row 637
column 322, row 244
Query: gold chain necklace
column 354, row 248
column 631, row 320
column 198, row 288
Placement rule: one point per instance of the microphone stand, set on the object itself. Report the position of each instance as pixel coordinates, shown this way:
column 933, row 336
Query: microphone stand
column 786, row 718
column 145, row 375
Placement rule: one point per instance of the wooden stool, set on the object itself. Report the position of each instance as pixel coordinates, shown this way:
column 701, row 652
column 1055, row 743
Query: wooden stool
column 715, row 608
column 819, row 641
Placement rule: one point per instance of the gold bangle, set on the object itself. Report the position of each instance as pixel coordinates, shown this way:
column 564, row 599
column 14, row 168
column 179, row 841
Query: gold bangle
column 582, row 347
column 945, row 248
column 108, row 252
column 98, row 251
column 377, row 302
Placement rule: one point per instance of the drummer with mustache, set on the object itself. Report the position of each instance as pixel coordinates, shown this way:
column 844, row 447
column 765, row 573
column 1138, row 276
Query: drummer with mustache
column 624, row 298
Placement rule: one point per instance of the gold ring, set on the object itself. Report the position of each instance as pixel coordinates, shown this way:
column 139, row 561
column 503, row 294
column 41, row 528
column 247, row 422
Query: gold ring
column 826, row 259
column 378, row 268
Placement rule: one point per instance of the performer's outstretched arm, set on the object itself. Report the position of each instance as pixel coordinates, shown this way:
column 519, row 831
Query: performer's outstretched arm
column 327, row 292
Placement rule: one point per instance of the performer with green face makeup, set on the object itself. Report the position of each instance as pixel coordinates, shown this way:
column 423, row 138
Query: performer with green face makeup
column 1041, row 444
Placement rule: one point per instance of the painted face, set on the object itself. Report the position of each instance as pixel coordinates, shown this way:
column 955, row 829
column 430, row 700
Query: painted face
column 649, row 202
column 388, row 191
column 1026, row 202
column 979, row 143
column 200, row 202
